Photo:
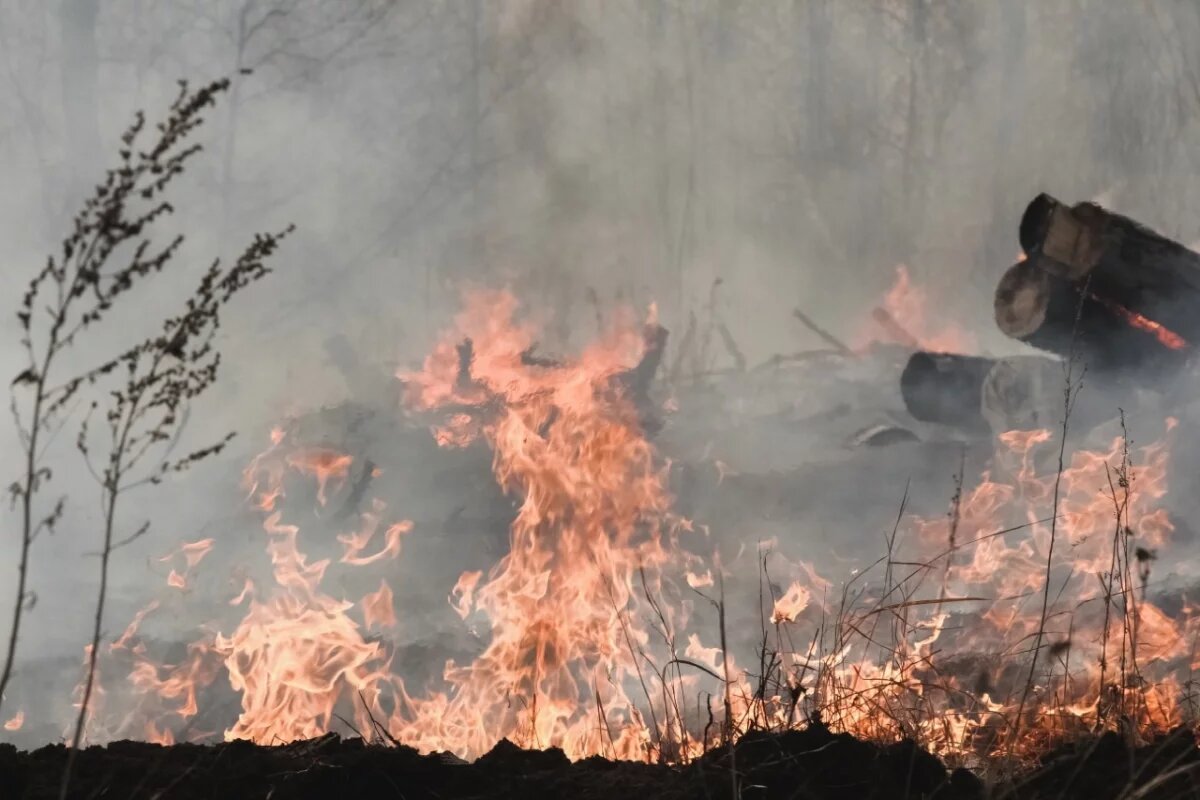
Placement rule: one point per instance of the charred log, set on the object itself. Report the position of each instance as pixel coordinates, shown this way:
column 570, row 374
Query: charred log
column 1028, row 392
column 637, row 381
column 1140, row 278
column 1074, row 319
column 945, row 388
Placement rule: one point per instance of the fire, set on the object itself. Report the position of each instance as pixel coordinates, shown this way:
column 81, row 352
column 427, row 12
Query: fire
column 594, row 522
column 324, row 464
column 788, row 607
column 378, row 608
column 193, row 553
column 592, row 641
column 904, row 318
column 1099, row 617
column 564, row 613
column 298, row 653
column 1165, row 336
column 15, row 722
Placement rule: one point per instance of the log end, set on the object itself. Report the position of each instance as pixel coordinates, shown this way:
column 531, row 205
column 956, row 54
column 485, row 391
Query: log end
column 944, row 388
column 1035, row 221
column 1022, row 393
column 1022, row 298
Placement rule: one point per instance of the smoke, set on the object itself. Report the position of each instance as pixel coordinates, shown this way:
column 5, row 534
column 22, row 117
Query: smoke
column 590, row 156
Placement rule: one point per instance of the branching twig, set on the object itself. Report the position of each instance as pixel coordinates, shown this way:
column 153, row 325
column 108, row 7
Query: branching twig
column 145, row 412
column 76, row 290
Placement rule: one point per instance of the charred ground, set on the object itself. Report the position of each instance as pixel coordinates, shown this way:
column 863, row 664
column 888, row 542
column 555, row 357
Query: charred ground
column 813, row 764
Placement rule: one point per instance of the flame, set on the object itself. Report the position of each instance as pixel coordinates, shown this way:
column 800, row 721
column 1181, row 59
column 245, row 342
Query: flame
column 298, row 653
column 587, row 622
column 593, row 521
column 193, row 553
column 462, row 598
column 247, row 591
column 131, row 630
column 788, row 607
column 378, row 609
column 15, row 722
column 904, row 317
column 1166, row 337
column 324, row 464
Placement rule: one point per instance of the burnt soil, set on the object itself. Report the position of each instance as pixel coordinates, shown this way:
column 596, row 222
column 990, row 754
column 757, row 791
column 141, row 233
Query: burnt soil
column 812, row 764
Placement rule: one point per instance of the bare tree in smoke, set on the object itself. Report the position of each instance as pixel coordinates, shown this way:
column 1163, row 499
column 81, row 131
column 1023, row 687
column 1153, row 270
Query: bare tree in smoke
column 108, row 254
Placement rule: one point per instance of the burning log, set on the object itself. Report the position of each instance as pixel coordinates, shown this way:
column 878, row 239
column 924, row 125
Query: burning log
column 1123, row 293
column 945, row 388
column 1069, row 318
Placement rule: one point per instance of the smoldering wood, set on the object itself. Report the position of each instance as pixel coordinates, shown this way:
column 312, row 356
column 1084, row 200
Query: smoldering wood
column 1122, row 261
column 945, row 388
column 1071, row 320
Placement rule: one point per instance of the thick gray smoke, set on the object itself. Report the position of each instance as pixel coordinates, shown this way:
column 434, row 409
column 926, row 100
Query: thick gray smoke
column 588, row 155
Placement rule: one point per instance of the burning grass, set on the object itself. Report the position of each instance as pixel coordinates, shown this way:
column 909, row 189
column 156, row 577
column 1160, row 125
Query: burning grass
column 604, row 624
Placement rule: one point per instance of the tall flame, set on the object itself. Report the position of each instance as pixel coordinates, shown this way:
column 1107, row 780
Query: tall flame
column 905, row 317
column 594, row 520
column 591, row 642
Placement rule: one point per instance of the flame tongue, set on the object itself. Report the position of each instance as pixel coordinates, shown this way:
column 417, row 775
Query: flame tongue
column 582, row 645
column 594, row 512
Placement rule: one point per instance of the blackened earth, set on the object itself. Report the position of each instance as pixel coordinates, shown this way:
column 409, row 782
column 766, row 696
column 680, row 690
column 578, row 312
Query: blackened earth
column 812, row 764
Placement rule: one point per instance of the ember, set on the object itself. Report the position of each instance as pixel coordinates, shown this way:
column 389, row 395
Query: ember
column 1168, row 338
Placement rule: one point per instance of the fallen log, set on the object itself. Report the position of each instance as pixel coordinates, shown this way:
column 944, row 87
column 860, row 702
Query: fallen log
column 979, row 394
column 945, row 388
column 1128, row 276
column 1023, row 393
column 1071, row 320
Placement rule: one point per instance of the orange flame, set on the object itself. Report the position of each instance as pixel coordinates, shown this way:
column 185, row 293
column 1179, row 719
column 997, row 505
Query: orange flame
column 575, row 618
column 1166, row 337
column 788, row 607
column 378, row 609
column 15, row 722
column 904, row 318
column 593, row 516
